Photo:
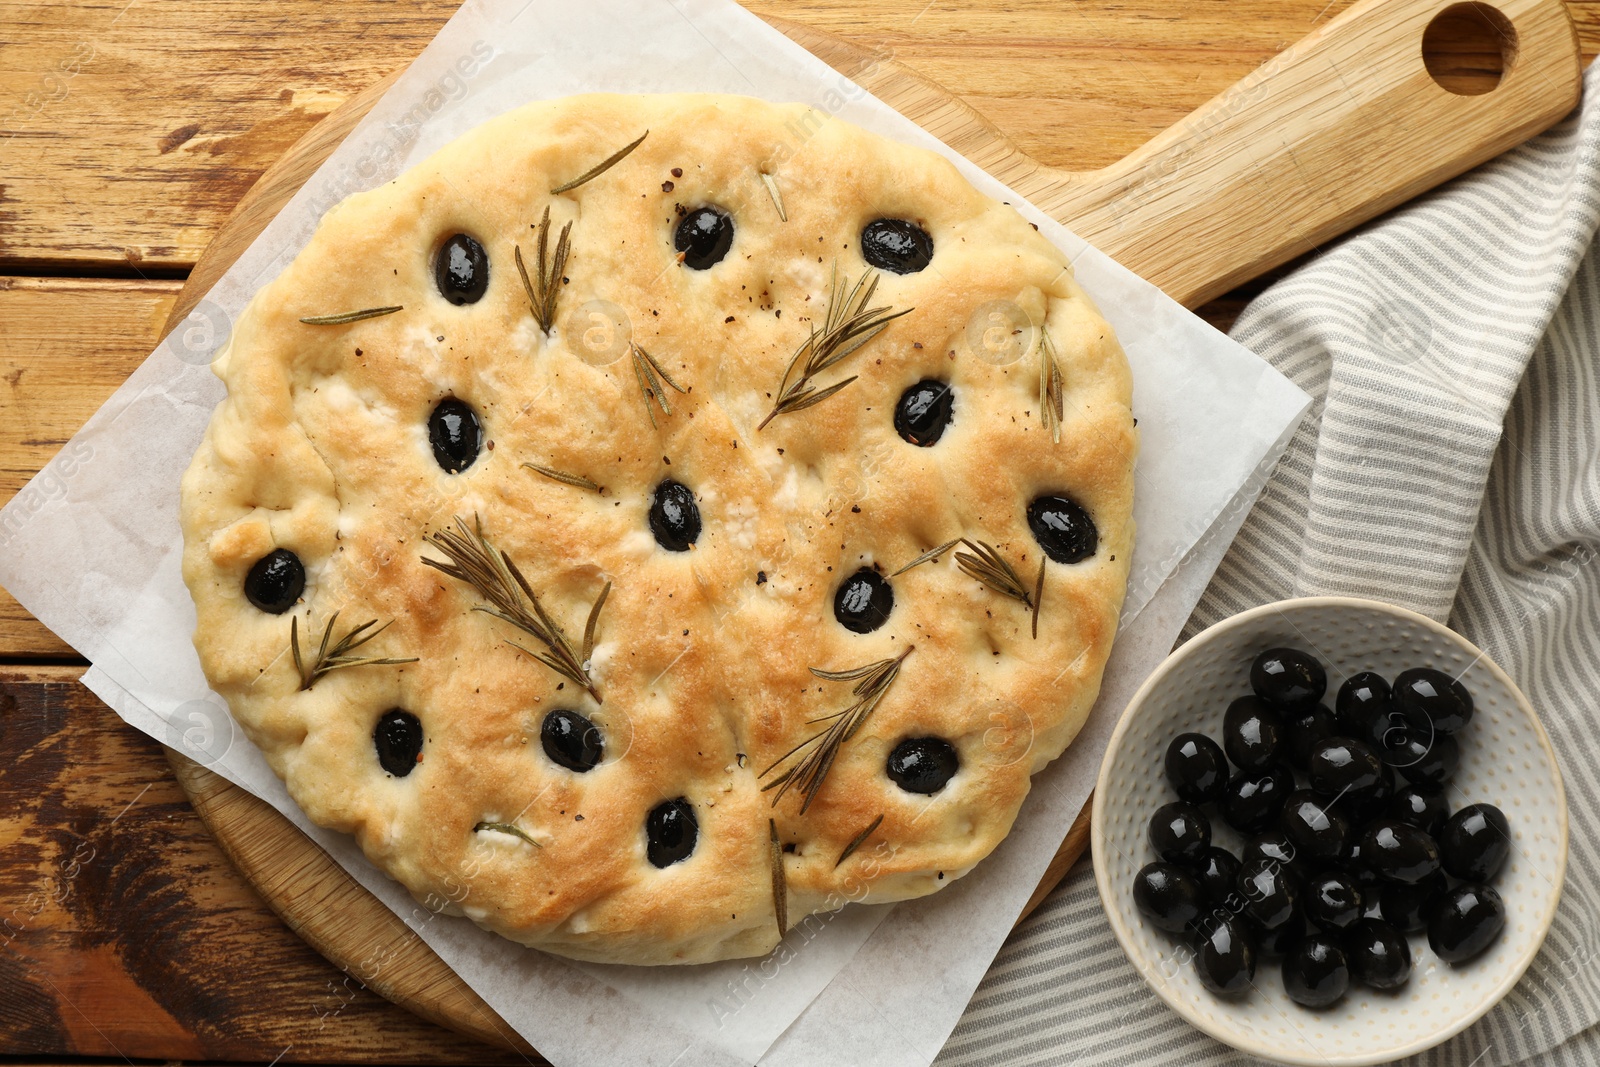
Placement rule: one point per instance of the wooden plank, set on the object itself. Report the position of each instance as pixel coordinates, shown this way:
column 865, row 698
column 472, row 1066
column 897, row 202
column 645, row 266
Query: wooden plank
column 128, row 132
column 124, row 930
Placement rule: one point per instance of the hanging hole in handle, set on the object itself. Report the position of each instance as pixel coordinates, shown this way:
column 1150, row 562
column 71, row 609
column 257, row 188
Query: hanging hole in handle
column 1468, row 48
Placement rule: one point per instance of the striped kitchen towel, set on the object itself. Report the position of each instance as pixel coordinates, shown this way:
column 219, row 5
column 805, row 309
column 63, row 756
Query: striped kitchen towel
column 1451, row 464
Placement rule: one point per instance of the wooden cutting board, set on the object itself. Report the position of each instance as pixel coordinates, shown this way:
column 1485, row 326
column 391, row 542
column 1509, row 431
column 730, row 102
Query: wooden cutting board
column 1332, row 131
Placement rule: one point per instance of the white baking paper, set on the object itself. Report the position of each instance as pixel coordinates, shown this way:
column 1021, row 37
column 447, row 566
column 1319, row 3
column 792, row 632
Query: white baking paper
column 91, row 547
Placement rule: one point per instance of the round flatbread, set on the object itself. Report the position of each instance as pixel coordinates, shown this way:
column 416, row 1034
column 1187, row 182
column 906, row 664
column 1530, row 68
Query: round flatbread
column 749, row 504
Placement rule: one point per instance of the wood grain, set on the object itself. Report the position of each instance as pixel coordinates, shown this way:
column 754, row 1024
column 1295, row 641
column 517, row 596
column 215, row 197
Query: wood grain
column 124, row 931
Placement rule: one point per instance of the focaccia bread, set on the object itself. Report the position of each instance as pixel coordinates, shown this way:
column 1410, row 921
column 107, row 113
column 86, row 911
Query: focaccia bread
column 636, row 466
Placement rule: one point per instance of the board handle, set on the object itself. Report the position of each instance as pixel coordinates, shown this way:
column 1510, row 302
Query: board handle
column 1333, row 130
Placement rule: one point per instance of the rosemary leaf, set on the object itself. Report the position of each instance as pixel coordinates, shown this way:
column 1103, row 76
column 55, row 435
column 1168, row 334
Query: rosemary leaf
column 932, row 553
column 594, row 617
column 848, row 325
column 780, row 885
column 350, row 316
column 808, row 772
column 339, row 656
column 543, row 289
column 648, row 373
column 988, row 566
column 777, row 197
column 855, row 842
column 562, row 476
column 470, row 558
column 506, row 828
column 606, row 164
column 1038, row 596
column 1050, row 385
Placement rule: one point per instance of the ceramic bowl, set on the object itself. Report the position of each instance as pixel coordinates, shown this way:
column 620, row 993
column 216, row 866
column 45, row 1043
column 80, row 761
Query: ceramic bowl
column 1506, row 760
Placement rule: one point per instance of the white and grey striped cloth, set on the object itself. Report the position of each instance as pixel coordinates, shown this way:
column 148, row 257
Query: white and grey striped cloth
column 1451, row 463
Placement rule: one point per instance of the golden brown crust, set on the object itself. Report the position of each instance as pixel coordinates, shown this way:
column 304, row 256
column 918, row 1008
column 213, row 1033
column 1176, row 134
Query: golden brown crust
column 702, row 657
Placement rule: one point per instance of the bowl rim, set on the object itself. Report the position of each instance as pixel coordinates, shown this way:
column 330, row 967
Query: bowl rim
column 1175, row 661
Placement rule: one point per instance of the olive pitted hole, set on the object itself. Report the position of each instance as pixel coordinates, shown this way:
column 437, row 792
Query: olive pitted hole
column 923, row 412
column 455, row 435
column 923, row 764
column 670, row 832
column 398, row 739
column 275, row 581
column 704, row 237
column 863, row 601
column 572, row 740
column 462, row 270
column 1063, row 529
column 895, row 245
column 674, row 517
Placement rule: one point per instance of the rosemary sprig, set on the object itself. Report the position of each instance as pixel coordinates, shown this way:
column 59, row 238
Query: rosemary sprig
column 331, row 659
column 807, row 773
column 606, row 164
column 543, row 289
column 1050, row 385
column 988, row 566
column 849, row 324
column 777, row 197
column 780, row 884
column 650, row 376
column 472, row 559
column 506, row 828
column 855, row 842
column 350, row 316
column 562, row 476
column 932, row 553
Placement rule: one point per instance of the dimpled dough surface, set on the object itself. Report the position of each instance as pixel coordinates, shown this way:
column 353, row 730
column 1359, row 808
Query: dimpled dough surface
column 701, row 657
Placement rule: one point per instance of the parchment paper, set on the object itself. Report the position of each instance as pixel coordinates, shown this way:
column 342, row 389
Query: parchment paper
column 91, row 546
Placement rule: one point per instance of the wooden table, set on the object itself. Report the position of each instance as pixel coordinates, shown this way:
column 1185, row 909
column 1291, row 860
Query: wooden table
column 128, row 130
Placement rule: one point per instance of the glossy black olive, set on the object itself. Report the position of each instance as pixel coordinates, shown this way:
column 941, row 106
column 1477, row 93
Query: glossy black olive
column 1217, row 871
column 1332, row 900
column 1475, row 843
column 1288, row 677
column 1435, row 765
column 1362, row 700
column 1225, row 955
column 1319, row 831
column 1373, row 803
column 1179, row 833
column 398, row 739
column 1465, row 921
column 1424, row 807
column 1253, row 799
column 924, row 411
column 1315, row 972
column 461, row 270
column 863, row 601
column 571, row 740
column 1399, row 851
column 1378, row 954
column 1253, row 734
column 1167, row 896
column 1443, row 699
column 1275, row 845
column 923, row 764
column 1274, row 943
column 1269, row 890
column 1408, row 907
column 1340, row 766
column 1063, row 529
column 704, row 237
column 896, row 245
column 674, row 517
column 670, row 832
column 455, row 435
column 1305, row 727
column 1196, row 768
column 275, row 581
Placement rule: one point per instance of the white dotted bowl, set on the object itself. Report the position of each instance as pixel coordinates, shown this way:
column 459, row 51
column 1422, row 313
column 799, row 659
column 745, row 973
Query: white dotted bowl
column 1506, row 760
